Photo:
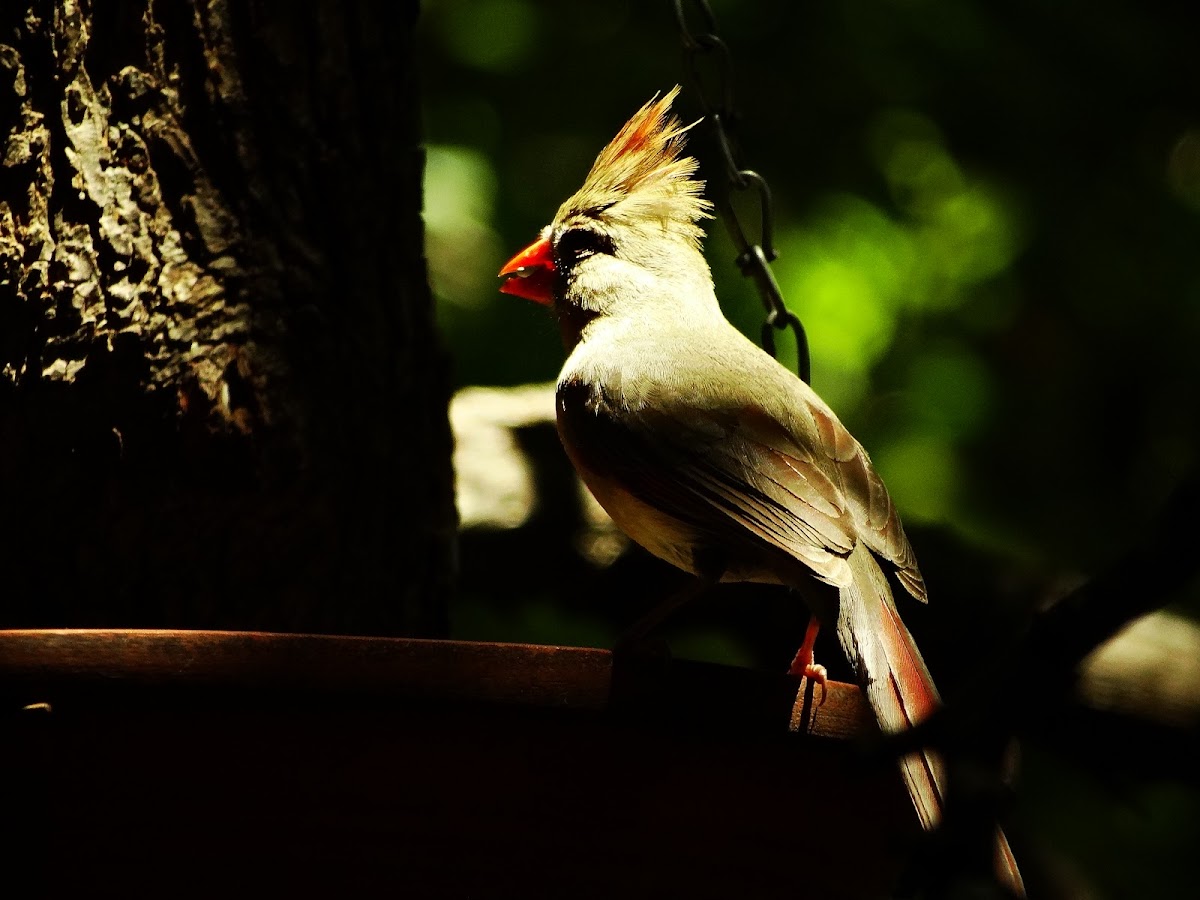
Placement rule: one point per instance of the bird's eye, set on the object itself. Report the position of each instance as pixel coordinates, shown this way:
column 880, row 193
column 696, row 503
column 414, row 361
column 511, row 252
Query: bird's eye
column 579, row 243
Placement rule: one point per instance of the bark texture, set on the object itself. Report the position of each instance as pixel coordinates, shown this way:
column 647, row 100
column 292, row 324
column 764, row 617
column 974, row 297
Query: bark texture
column 221, row 403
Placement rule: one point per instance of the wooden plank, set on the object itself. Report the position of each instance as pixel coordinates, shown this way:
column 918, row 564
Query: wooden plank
column 438, row 670
column 343, row 766
column 341, row 667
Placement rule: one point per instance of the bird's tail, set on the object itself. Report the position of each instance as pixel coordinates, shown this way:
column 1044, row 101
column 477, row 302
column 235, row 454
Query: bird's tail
column 900, row 690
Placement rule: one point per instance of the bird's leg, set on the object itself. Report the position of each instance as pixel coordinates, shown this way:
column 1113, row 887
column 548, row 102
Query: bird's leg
column 707, row 576
column 803, row 663
column 671, row 605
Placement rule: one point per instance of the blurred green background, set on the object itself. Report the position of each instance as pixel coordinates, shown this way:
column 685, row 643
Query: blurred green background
column 988, row 218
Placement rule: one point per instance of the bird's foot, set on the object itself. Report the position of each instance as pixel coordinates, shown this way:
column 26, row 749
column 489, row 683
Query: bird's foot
column 804, row 667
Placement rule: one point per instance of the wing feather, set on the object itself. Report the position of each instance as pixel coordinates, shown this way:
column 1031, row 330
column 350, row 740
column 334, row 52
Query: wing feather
column 741, row 463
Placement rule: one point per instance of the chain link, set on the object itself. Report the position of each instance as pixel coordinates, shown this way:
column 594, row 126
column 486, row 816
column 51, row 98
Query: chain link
column 705, row 51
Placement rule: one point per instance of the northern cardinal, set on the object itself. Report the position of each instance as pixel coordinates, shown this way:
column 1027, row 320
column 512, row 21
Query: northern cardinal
column 704, row 449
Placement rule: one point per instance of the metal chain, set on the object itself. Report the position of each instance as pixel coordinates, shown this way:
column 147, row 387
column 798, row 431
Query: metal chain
column 703, row 49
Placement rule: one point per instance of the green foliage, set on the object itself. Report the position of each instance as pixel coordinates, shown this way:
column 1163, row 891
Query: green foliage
column 978, row 224
column 988, row 216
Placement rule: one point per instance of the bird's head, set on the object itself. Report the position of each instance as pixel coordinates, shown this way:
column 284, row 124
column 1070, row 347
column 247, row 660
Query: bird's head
column 632, row 230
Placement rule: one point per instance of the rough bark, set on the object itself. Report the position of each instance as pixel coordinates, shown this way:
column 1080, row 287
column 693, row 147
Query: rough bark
column 221, row 403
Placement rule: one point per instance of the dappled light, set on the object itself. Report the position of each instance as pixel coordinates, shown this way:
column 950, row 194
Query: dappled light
column 492, row 35
column 1183, row 168
column 461, row 245
column 923, row 475
column 987, row 218
column 950, row 391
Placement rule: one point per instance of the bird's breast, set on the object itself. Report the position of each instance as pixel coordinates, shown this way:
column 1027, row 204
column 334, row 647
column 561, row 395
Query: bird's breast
column 661, row 534
column 612, row 467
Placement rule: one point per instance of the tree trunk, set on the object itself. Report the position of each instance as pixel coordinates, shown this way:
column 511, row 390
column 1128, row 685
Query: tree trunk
column 221, row 403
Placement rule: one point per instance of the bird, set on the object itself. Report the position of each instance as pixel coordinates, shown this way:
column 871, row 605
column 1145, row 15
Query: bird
column 707, row 451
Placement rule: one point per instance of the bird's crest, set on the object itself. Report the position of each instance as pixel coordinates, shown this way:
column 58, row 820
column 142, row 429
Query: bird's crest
column 641, row 175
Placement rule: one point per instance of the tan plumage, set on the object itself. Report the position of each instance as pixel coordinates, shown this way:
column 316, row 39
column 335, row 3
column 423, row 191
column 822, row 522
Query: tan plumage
column 640, row 176
column 703, row 448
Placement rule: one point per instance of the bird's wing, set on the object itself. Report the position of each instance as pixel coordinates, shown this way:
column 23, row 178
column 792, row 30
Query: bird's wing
column 813, row 500
column 714, row 470
column 876, row 521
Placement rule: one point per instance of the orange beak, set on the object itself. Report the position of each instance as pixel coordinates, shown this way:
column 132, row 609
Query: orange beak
column 530, row 274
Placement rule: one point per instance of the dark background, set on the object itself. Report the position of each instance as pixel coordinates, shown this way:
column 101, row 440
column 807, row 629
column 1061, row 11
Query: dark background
column 988, row 217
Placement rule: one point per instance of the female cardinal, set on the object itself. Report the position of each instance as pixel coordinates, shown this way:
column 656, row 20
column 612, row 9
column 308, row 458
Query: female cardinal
column 704, row 449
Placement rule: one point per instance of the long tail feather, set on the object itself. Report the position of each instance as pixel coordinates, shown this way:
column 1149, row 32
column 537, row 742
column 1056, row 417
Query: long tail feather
column 900, row 690
column 1006, row 865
